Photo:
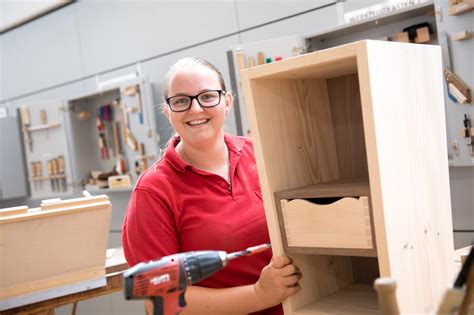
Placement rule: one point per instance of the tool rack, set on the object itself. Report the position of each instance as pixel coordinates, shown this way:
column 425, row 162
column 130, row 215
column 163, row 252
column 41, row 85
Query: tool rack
column 111, row 132
column 119, row 135
column 44, row 141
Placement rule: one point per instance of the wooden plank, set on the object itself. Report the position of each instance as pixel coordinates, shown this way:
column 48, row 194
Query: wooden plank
column 409, row 178
column 115, row 264
column 336, row 188
column 44, row 249
column 13, row 211
column 324, row 64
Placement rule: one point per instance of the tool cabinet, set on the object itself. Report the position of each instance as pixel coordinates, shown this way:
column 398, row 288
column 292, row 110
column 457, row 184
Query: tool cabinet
column 353, row 186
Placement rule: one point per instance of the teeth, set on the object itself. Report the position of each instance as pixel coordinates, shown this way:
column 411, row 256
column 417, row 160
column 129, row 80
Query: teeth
column 197, row 122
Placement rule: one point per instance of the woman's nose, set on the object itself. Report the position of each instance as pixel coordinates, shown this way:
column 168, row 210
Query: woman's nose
column 195, row 107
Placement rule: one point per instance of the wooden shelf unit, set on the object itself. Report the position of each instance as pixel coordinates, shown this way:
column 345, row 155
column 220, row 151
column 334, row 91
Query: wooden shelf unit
column 357, row 111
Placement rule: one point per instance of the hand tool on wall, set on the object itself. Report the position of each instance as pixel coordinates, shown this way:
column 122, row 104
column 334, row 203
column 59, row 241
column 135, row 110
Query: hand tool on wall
column 43, row 117
column 142, row 158
column 462, row 91
column 117, row 149
column 260, row 58
column 468, row 134
column 419, row 33
column 164, row 281
column 131, row 142
column 62, row 172
column 453, row 297
column 463, row 35
column 26, row 123
column 460, row 6
column 458, row 89
column 134, row 90
column 104, row 151
column 32, row 170
column 239, row 55
column 386, row 293
column 49, row 170
column 39, row 172
column 120, row 167
column 55, row 173
column 251, row 62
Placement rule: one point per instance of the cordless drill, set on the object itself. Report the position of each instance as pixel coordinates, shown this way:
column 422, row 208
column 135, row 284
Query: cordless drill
column 164, row 281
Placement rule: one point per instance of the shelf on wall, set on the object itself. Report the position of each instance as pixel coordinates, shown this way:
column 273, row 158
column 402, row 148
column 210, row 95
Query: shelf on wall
column 358, row 26
column 46, row 177
column 42, row 127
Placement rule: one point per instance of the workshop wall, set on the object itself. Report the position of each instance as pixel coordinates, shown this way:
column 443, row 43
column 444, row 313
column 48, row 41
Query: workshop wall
column 61, row 55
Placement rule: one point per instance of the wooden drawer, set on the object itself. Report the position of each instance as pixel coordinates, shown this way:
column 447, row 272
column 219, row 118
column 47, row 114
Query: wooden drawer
column 344, row 223
column 332, row 218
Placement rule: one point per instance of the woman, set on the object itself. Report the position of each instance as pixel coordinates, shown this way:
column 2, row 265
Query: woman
column 204, row 194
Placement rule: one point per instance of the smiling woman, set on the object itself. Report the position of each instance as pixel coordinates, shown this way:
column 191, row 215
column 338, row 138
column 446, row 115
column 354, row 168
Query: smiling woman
column 204, row 194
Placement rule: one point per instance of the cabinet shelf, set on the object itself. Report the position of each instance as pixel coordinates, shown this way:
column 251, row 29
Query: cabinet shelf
column 42, row 127
column 354, row 299
column 335, row 188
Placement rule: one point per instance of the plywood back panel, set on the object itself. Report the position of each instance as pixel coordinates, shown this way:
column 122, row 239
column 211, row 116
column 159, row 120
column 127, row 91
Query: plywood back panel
column 346, row 114
column 295, row 129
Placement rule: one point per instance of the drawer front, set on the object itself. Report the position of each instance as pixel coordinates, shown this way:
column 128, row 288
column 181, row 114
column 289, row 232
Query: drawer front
column 342, row 224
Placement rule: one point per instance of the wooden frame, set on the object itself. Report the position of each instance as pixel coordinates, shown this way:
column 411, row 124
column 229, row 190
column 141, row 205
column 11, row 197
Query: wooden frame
column 360, row 111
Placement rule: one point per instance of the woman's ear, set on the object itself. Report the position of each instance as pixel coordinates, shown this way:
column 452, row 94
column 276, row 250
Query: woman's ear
column 229, row 102
column 166, row 111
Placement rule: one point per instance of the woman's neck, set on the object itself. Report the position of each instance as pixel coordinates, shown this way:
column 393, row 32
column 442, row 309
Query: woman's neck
column 212, row 157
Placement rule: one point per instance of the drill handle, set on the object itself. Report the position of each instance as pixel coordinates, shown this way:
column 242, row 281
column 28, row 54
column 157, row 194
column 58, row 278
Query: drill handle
column 158, row 307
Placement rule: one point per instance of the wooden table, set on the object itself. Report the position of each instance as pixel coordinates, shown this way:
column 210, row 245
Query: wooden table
column 114, row 266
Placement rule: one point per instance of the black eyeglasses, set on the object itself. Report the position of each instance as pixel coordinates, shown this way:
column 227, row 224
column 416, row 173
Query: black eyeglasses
column 206, row 99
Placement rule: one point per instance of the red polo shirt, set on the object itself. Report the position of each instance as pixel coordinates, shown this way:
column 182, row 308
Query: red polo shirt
column 178, row 208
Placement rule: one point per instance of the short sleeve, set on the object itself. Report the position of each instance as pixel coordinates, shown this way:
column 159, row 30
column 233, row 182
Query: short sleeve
column 149, row 229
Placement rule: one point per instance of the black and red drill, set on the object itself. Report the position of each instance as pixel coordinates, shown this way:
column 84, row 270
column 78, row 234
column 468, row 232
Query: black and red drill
column 164, row 281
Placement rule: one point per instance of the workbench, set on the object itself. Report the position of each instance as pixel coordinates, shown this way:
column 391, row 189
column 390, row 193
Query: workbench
column 114, row 266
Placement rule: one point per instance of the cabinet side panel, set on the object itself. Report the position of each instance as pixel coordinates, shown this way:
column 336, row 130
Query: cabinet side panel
column 409, row 129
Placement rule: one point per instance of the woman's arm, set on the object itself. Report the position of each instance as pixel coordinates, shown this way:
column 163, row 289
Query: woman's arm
column 277, row 281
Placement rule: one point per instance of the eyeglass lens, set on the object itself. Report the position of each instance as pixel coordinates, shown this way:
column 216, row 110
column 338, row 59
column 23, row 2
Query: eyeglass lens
column 205, row 99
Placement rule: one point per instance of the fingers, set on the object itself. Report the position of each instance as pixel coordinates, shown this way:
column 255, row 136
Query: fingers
column 292, row 280
column 280, row 262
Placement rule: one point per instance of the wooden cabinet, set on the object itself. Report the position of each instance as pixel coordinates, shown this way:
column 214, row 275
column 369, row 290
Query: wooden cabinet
column 350, row 145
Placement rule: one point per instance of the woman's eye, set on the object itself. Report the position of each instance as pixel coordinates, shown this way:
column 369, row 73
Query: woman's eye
column 181, row 101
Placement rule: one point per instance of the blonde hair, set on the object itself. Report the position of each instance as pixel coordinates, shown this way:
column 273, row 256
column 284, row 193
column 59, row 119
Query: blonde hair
column 187, row 63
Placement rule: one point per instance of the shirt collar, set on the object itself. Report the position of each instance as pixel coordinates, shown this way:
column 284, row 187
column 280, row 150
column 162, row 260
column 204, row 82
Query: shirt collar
column 234, row 144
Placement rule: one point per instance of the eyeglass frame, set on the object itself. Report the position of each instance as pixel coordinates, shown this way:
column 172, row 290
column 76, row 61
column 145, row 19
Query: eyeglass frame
column 192, row 97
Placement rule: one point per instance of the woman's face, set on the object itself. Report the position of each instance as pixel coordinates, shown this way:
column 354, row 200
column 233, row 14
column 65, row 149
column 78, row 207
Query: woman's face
column 197, row 126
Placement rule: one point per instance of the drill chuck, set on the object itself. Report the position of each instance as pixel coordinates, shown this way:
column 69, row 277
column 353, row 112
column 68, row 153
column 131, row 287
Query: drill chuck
column 202, row 264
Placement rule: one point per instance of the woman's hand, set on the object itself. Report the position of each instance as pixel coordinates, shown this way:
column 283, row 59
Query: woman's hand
column 278, row 280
